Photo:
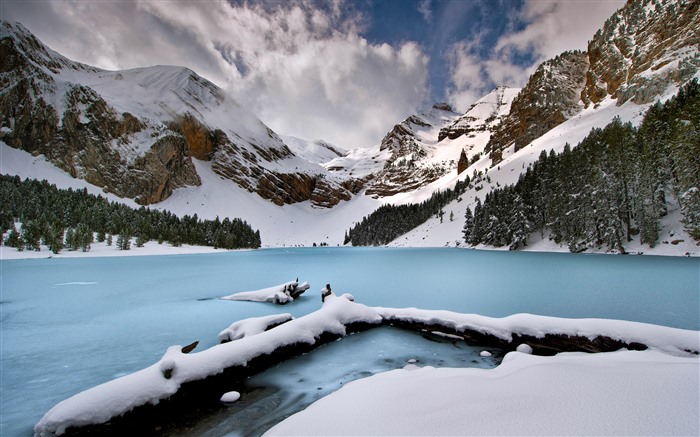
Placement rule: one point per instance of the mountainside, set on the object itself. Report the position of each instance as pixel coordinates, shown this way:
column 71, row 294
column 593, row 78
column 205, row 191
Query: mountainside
column 165, row 135
column 426, row 147
column 135, row 132
column 642, row 50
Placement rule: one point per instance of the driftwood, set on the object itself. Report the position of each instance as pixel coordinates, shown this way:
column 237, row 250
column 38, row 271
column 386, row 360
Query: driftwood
column 198, row 399
column 550, row 344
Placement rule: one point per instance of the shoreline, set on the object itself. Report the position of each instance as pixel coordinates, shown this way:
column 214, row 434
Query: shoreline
column 152, row 248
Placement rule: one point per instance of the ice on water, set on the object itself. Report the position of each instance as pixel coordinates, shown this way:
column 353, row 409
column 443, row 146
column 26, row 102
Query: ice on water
column 61, row 339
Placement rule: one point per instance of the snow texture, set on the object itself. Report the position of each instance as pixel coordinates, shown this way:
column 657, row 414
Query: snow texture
column 252, row 326
column 648, row 380
column 615, row 393
column 230, row 397
column 281, row 294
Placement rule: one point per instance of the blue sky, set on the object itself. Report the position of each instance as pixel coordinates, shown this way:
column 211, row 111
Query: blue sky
column 438, row 25
column 344, row 71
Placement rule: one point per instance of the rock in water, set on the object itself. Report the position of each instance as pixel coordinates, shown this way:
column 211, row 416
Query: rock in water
column 230, row 397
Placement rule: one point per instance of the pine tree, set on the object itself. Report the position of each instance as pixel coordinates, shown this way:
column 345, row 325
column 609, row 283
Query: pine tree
column 53, row 238
column 31, row 235
column 124, row 241
column 13, row 239
column 140, row 240
column 468, row 224
column 84, row 237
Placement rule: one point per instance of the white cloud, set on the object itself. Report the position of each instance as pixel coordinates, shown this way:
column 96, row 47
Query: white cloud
column 556, row 26
column 424, row 7
column 551, row 28
column 304, row 70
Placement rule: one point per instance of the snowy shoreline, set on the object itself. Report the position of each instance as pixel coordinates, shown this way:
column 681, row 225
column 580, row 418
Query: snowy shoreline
column 148, row 389
column 152, row 248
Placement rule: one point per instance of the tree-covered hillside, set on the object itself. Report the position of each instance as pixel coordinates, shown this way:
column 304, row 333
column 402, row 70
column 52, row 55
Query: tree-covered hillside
column 391, row 221
column 73, row 219
column 616, row 184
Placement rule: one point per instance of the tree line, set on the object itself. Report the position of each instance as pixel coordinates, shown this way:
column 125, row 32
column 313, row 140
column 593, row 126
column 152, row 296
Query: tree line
column 73, row 220
column 388, row 222
column 616, row 184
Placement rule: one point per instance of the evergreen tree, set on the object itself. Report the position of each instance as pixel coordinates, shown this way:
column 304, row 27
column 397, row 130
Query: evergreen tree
column 53, row 238
column 13, row 239
column 30, row 233
column 124, row 241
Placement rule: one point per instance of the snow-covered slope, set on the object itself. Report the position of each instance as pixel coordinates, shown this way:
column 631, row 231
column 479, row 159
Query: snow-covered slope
column 300, row 192
column 449, row 233
column 135, row 132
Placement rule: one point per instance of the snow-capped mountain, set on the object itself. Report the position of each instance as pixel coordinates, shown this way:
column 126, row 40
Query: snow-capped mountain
column 135, row 132
column 642, row 50
column 165, row 135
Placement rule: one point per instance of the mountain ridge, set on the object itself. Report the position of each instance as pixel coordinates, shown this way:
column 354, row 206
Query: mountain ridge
column 416, row 158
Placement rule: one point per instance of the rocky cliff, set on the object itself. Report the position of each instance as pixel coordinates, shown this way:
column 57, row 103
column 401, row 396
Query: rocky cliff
column 411, row 145
column 135, row 132
column 642, row 49
column 550, row 97
column 77, row 130
column 645, row 47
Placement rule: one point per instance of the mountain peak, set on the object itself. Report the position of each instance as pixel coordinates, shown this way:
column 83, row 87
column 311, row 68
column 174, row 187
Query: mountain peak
column 442, row 106
column 20, row 48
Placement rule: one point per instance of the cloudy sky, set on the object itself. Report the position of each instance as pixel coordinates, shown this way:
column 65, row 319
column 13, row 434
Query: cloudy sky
column 342, row 70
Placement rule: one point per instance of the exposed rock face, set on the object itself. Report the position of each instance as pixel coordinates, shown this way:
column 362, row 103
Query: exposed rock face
column 641, row 50
column 661, row 36
column 297, row 187
column 87, row 138
column 551, row 95
column 408, row 167
column 482, row 116
column 463, row 162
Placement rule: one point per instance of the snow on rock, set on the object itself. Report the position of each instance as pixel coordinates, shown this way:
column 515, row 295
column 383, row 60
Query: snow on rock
column 253, row 326
column 230, row 397
column 485, row 354
column 616, row 393
column 633, row 385
column 163, row 379
column 524, row 348
column 280, row 294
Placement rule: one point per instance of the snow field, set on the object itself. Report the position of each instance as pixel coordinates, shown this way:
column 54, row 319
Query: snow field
column 615, row 393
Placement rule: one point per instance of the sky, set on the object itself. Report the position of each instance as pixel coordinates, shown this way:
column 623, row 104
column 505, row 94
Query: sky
column 345, row 71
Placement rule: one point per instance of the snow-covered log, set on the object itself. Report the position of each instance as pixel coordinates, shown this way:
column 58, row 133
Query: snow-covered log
column 253, row 326
column 180, row 383
column 547, row 335
column 279, row 294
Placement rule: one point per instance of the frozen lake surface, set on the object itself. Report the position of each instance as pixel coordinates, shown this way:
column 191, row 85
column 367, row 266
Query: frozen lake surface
column 70, row 324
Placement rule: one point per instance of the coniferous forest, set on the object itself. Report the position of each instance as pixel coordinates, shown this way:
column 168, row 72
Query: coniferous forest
column 391, row 221
column 73, row 220
column 616, row 184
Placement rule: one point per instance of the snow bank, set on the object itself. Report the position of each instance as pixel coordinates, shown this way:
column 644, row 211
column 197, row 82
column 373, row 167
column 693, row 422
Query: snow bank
column 616, row 393
column 445, row 396
column 281, row 294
